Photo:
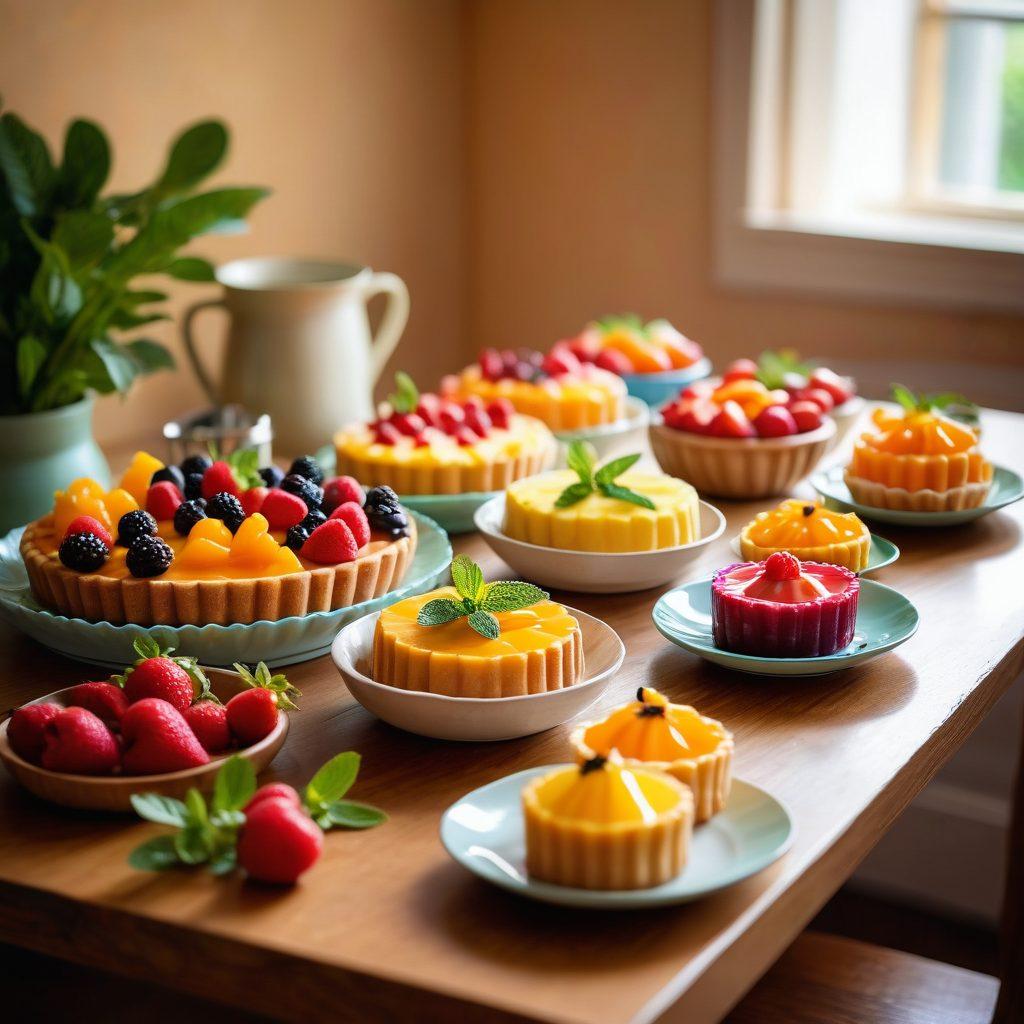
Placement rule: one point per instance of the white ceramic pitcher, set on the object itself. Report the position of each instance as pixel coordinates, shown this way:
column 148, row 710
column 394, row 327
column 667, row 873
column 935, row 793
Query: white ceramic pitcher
column 299, row 344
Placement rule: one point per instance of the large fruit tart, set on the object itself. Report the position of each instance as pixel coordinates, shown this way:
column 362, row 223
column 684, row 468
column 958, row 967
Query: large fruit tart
column 423, row 444
column 216, row 542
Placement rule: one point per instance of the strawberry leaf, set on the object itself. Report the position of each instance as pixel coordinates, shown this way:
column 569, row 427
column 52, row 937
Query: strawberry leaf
column 406, row 396
column 333, row 780
column 467, row 577
column 485, row 624
column 156, row 854
column 510, row 596
column 192, row 844
column 163, row 810
column 349, row 814
column 439, row 611
column 234, row 786
column 224, row 862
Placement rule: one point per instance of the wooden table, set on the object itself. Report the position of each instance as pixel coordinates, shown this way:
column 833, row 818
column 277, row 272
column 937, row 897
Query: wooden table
column 386, row 927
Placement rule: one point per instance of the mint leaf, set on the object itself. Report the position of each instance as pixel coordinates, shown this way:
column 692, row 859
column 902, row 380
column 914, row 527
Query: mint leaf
column 406, row 396
column 608, row 472
column 333, row 780
column 467, row 577
column 164, row 810
column 581, row 458
column 572, row 494
column 350, row 814
column 625, row 494
column 245, row 465
column 155, row 854
column 439, row 611
column 235, row 784
column 485, row 624
column 511, row 595
column 905, row 397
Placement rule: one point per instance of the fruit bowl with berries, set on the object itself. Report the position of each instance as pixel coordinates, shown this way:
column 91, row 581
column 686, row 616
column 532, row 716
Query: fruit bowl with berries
column 163, row 725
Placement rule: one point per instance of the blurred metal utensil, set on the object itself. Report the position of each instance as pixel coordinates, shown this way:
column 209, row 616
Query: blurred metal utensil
column 225, row 427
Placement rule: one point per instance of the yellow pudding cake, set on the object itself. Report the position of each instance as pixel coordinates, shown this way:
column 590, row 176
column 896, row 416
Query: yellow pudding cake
column 811, row 532
column 605, row 825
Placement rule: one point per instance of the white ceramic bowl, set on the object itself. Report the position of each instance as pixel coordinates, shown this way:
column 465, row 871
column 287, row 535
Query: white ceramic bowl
column 619, row 438
column 846, row 416
column 594, row 572
column 475, row 719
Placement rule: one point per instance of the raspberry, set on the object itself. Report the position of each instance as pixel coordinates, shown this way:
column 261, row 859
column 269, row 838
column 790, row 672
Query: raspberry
column 187, row 515
column 308, row 467
column 196, row 464
column 86, row 524
column 133, row 525
column 193, row 486
column 83, row 552
column 170, row 474
column 272, row 476
column 341, row 489
column 782, row 566
column 228, row 509
column 219, row 478
column 302, row 488
column 149, row 556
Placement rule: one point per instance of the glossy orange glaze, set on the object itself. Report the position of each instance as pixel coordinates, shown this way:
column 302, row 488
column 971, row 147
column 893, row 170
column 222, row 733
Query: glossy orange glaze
column 802, row 524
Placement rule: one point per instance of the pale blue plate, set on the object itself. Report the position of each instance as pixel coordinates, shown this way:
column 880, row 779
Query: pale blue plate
column 657, row 388
column 454, row 512
column 881, row 553
column 885, row 619
column 484, row 832
column 1007, row 487
column 283, row 642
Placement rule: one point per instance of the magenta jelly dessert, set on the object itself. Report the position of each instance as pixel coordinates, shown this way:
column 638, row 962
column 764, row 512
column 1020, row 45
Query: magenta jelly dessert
column 783, row 608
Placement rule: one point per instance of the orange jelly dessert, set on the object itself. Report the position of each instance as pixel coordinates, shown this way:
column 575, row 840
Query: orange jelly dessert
column 605, row 825
column 653, row 733
column 810, row 531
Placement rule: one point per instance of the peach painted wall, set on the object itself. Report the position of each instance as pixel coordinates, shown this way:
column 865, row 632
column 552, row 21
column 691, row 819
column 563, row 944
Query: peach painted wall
column 349, row 109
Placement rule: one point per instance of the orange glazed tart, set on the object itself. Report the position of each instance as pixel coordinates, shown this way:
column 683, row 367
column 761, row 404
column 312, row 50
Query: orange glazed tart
column 652, row 733
column 606, row 825
column 144, row 553
column 479, row 640
column 810, row 531
column 920, row 461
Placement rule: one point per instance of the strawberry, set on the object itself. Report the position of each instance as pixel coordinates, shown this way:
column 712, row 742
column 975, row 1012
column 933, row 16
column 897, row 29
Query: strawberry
column 105, row 700
column 278, row 842
column 283, row 510
column 209, row 722
column 774, row 421
column 273, row 791
column 560, row 361
column 465, row 436
column 217, row 478
column 163, row 499
column 330, row 543
column 819, row 396
column 162, row 678
column 353, row 516
column 79, row 743
column 408, row 423
column 26, row 731
column 614, row 361
column 807, row 416
column 429, row 409
column 840, row 388
column 492, row 367
column 158, row 739
column 253, row 498
column 87, row 524
column 501, row 411
column 731, row 421
column 252, row 714
column 478, row 421
column 386, row 433
column 340, row 489
column 740, row 369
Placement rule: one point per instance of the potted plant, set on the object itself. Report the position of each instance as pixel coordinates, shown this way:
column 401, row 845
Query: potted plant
column 70, row 260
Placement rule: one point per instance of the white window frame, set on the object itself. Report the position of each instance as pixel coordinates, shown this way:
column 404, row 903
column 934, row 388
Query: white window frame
column 905, row 258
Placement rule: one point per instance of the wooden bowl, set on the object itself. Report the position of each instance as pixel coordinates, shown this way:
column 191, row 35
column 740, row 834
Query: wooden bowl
column 113, row 792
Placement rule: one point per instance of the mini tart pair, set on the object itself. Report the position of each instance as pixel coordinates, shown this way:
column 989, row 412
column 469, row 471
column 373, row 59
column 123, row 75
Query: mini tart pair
column 540, row 648
column 919, row 462
column 654, row 734
column 606, row 825
column 811, row 532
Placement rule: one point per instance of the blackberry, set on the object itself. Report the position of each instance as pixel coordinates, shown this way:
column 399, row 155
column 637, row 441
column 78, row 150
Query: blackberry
column 272, row 476
column 171, row 473
column 393, row 522
column 133, row 525
column 308, row 467
column 227, row 508
column 196, row 464
column 193, row 486
column 314, row 517
column 83, row 552
column 297, row 536
column 382, row 495
column 187, row 514
column 308, row 491
column 149, row 556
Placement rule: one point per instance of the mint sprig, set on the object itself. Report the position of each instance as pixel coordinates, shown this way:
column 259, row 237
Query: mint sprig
column 243, row 462
column 951, row 403
column 147, row 647
column 478, row 601
column 582, row 460
column 773, row 367
column 406, row 395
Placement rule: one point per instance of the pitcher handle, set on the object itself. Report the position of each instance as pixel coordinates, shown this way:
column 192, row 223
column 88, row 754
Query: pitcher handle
column 396, row 315
column 190, row 347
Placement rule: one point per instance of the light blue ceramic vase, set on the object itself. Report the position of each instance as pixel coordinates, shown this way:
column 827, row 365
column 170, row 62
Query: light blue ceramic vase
column 42, row 452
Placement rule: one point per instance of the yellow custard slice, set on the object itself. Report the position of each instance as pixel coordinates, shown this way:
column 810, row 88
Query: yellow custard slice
column 675, row 738
column 540, row 648
column 600, row 523
column 811, row 532
column 606, row 825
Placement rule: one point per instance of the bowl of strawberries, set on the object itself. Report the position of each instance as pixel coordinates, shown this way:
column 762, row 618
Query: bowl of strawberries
column 164, row 725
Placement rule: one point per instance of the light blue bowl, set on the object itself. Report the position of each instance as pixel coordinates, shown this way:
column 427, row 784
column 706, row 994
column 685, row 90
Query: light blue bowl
column 454, row 512
column 657, row 388
column 284, row 642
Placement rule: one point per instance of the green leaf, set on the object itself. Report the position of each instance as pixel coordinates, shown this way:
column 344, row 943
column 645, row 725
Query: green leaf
column 439, row 611
column 31, row 356
column 406, row 396
column 195, row 154
column 572, row 494
column 118, row 363
column 905, row 397
column 467, row 577
column 276, row 682
column 224, row 862
column 511, row 595
column 155, row 854
column 192, row 844
column 191, row 268
column 235, row 784
column 163, row 810
column 608, row 472
column 85, row 166
column 625, row 494
column 149, row 356
column 230, row 820
column 485, row 624
column 245, row 464
column 25, row 163
column 334, row 779
column 196, row 807
column 581, row 458
column 84, row 235
column 350, row 814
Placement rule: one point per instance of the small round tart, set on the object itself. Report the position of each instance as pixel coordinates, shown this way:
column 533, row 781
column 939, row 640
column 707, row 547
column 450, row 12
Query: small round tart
column 921, row 461
column 540, row 648
column 437, row 463
column 810, row 531
column 602, row 523
column 586, row 397
column 783, row 608
column 652, row 733
column 607, row 825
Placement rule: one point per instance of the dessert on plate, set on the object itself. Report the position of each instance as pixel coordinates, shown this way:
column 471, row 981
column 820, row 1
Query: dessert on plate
column 605, row 825
column 479, row 640
column 555, row 388
column 920, row 459
column 625, row 344
column 810, row 531
column 216, row 541
column 783, row 608
column 650, row 732
column 426, row 444
column 611, row 508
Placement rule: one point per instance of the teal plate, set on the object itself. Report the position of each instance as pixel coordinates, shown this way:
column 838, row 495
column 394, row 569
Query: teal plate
column 454, row 512
column 885, row 619
column 881, row 553
column 284, row 642
column 484, row 833
column 1007, row 487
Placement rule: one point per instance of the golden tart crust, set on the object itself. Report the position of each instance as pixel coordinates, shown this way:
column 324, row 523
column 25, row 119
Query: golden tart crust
column 100, row 597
